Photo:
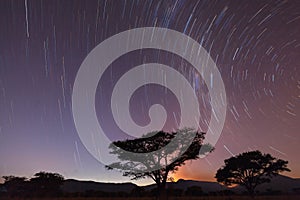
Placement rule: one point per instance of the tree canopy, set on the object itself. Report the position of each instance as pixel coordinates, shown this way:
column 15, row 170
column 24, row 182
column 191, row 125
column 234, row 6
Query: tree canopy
column 43, row 184
column 169, row 159
column 47, row 183
column 250, row 169
column 15, row 185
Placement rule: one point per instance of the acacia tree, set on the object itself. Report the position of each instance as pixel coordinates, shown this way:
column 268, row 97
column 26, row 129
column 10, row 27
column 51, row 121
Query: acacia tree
column 47, row 183
column 15, row 186
column 250, row 169
column 169, row 159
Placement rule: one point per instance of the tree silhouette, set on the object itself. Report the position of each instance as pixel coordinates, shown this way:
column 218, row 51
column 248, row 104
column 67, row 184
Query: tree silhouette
column 168, row 159
column 15, row 186
column 250, row 169
column 47, row 184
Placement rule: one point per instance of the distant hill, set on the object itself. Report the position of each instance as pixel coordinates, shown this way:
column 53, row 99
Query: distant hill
column 279, row 183
column 73, row 186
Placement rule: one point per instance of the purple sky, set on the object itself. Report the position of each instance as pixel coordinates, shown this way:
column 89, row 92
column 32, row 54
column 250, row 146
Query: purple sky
column 255, row 44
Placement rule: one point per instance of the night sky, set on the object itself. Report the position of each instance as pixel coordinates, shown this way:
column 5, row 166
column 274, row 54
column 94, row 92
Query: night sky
column 255, row 45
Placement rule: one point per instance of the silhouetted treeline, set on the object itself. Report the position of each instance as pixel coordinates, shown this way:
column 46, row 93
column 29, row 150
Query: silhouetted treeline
column 45, row 184
column 42, row 184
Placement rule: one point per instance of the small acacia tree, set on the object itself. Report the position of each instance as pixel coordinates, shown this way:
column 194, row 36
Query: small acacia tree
column 15, row 186
column 250, row 169
column 169, row 159
column 47, row 184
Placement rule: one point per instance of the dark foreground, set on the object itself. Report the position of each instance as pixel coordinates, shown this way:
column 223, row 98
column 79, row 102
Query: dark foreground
column 281, row 197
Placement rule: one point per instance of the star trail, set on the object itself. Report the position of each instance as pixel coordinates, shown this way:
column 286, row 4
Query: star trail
column 255, row 45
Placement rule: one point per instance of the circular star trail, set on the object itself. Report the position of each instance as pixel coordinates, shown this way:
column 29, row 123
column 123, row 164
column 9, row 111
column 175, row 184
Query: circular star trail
column 255, row 45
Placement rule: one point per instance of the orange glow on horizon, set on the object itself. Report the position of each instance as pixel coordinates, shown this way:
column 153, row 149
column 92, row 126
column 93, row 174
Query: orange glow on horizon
column 185, row 173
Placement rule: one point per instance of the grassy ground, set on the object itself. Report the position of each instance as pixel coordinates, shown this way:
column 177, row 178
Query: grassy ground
column 177, row 198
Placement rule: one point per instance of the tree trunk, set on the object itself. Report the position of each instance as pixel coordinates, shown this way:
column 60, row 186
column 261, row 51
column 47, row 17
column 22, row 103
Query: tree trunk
column 251, row 192
column 162, row 192
column 161, row 188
